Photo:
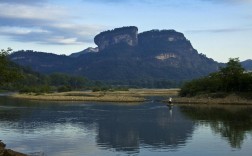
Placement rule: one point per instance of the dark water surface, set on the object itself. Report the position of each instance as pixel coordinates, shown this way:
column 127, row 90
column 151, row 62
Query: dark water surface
column 77, row 129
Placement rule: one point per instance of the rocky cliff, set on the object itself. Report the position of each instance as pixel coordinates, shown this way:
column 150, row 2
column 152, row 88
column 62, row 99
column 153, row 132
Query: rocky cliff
column 165, row 36
column 125, row 35
column 159, row 44
column 166, row 40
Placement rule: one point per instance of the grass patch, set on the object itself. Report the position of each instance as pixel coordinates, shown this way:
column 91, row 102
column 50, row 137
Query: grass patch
column 133, row 95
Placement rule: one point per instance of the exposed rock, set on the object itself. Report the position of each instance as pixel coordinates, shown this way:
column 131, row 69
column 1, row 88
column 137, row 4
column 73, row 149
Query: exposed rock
column 8, row 152
column 160, row 35
column 165, row 56
column 155, row 41
column 85, row 51
column 126, row 35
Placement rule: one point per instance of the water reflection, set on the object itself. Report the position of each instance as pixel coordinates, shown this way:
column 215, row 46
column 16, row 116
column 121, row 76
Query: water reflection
column 152, row 126
column 232, row 122
column 119, row 127
column 109, row 129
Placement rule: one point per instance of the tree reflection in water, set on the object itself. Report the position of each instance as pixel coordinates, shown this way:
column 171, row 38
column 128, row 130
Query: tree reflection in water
column 123, row 128
column 233, row 123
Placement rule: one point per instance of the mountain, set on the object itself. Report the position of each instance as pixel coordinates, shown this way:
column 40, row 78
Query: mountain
column 124, row 56
column 247, row 64
column 45, row 63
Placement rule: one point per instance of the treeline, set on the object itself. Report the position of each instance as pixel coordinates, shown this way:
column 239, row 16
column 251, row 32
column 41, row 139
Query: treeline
column 230, row 79
column 147, row 83
column 16, row 78
column 54, row 82
column 8, row 71
column 37, row 83
column 29, row 81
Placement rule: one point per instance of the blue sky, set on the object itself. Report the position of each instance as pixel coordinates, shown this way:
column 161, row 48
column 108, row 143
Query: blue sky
column 221, row 29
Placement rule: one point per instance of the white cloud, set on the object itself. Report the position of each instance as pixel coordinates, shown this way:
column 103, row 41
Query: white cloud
column 24, row 1
column 224, row 30
column 47, row 24
column 20, row 11
column 20, row 30
column 63, row 40
column 78, row 29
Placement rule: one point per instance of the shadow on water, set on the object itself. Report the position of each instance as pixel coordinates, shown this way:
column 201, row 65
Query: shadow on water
column 231, row 122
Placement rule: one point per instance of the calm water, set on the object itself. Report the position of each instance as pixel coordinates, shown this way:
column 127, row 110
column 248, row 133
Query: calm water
column 77, row 129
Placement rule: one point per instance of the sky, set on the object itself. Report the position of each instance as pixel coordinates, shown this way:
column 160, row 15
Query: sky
column 220, row 29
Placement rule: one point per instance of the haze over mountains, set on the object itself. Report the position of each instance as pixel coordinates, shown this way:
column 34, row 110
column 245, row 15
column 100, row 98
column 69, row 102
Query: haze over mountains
column 125, row 56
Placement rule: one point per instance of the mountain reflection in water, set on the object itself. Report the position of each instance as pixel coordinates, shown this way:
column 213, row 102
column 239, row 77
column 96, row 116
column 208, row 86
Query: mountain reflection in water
column 105, row 128
column 153, row 126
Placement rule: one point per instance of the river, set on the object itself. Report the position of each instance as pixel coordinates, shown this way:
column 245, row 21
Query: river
column 110, row 129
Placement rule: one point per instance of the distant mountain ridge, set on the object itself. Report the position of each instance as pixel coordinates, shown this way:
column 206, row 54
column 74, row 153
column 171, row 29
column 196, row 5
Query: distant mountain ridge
column 124, row 56
column 247, row 64
column 41, row 62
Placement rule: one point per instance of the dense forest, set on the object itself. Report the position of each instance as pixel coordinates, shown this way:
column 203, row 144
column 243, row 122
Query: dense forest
column 229, row 79
column 14, row 77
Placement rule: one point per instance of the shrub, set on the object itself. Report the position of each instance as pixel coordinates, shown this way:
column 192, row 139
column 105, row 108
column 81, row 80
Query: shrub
column 35, row 89
column 64, row 88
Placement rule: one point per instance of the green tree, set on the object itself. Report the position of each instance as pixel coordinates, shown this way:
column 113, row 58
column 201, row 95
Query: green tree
column 59, row 79
column 77, row 82
column 231, row 78
column 231, row 75
column 8, row 72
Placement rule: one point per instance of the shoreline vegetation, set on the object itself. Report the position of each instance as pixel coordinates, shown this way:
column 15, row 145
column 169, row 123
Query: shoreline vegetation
column 132, row 95
column 231, row 99
column 135, row 96
column 232, row 84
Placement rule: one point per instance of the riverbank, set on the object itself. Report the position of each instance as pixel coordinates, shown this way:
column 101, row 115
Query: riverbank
column 231, row 99
column 133, row 95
